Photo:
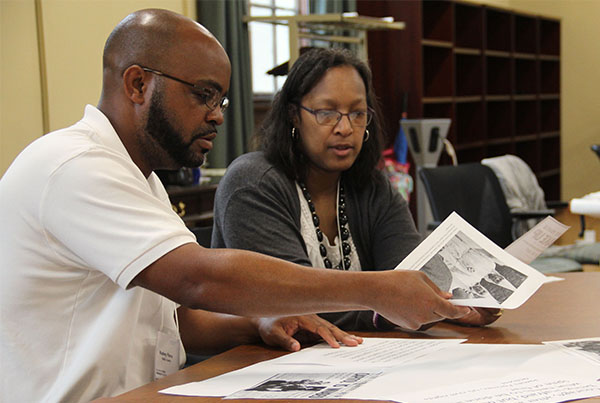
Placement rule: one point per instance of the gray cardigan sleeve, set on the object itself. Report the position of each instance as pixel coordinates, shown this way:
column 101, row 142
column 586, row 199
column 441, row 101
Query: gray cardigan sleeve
column 257, row 209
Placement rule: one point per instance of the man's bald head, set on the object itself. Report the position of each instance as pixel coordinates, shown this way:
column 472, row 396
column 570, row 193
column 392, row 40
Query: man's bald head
column 141, row 103
column 151, row 38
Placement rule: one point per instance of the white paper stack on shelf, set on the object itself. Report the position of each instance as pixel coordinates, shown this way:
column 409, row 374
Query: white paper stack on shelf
column 587, row 205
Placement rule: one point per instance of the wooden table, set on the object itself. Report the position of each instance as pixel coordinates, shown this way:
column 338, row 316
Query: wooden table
column 568, row 309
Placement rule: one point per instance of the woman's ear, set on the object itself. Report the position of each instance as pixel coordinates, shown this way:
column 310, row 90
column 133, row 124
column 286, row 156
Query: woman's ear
column 134, row 84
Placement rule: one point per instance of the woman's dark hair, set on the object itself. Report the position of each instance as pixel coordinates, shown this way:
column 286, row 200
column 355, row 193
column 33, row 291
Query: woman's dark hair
column 274, row 136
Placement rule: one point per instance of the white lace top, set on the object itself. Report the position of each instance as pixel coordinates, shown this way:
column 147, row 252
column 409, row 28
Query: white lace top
column 307, row 229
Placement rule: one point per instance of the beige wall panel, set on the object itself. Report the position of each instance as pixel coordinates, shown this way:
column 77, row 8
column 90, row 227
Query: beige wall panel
column 74, row 35
column 75, row 32
column 20, row 102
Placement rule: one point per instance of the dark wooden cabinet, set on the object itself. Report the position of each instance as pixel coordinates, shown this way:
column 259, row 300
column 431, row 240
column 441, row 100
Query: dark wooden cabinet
column 494, row 72
column 194, row 204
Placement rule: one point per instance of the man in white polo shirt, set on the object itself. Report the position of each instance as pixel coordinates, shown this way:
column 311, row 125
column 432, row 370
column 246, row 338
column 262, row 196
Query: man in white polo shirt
column 94, row 264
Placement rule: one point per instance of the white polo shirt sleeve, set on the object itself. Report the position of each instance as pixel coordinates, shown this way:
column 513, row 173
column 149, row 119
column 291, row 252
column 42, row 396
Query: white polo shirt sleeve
column 111, row 216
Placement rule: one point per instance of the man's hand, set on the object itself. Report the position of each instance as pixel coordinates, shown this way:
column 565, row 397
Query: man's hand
column 279, row 332
column 410, row 300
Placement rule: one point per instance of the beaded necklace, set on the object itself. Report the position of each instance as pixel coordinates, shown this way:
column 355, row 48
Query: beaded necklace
column 343, row 232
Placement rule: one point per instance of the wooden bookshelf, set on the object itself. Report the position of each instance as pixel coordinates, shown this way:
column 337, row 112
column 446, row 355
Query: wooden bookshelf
column 494, row 72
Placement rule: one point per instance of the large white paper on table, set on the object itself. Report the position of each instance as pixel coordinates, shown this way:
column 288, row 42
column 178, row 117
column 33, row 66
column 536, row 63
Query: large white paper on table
column 481, row 366
column 461, row 260
column 460, row 371
column 370, row 357
column 513, row 388
column 588, row 348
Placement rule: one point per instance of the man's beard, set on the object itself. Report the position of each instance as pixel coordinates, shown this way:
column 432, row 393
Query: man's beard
column 169, row 139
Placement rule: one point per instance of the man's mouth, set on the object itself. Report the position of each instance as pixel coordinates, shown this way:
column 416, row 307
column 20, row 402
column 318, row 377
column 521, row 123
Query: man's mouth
column 206, row 141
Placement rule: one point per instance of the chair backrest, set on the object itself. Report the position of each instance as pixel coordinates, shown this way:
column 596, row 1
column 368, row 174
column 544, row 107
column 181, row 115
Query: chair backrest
column 203, row 235
column 473, row 191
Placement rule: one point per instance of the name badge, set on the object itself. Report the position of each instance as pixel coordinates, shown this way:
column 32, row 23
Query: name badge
column 166, row 358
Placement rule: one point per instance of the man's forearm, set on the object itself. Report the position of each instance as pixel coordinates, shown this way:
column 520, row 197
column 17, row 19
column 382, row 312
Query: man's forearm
column 250, row 284
column 205, row 332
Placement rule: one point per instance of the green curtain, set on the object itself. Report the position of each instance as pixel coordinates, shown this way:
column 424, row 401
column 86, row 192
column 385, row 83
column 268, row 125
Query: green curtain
column 224, row 20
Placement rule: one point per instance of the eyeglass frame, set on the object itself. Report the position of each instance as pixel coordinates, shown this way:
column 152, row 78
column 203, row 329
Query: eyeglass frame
column 223, row 103
column 314, row 112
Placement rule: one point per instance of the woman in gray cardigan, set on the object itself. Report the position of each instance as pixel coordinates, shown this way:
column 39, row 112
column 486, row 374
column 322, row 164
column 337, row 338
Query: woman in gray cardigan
column 313, row 195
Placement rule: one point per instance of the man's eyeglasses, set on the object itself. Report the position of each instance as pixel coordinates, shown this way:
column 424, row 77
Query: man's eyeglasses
column 328, row 117
column 211, row 97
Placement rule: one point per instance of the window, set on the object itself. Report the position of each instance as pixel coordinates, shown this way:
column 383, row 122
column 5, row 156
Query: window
column 269, row 43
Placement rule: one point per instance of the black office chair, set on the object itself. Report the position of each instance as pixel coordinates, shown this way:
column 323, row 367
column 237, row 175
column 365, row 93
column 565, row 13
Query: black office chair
column 474, row 192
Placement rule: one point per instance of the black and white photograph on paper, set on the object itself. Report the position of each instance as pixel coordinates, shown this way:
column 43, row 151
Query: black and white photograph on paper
column 588, row 348
column 306, row 386
column 468, row 271
column 477, row 272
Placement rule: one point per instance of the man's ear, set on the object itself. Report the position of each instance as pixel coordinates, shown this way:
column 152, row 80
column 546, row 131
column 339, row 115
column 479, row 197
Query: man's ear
column 135, row 84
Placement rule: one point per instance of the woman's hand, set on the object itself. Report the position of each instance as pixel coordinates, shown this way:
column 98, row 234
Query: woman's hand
column 479, row 317
column 279, row 332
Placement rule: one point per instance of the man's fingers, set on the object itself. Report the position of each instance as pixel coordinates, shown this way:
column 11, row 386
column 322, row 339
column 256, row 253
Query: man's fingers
column 329, row 332
column 279, row 337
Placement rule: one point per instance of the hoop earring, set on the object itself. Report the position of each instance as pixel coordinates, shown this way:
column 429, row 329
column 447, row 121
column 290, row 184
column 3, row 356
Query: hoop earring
column 367, row 135
column 294, row 134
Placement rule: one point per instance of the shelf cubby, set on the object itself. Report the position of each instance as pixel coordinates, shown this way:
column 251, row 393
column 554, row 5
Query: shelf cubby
column 528, row 150
column 469, row 122
column 526, row 40
column 526, row 118
column 468, row 26
column 550, row 152
column 550, row 116
column 437, row 74
column 499, row 120
column 437, row 20
column 475, row 153
column 469, row 77
column 549, row 76
column 526, row 76
column 551, row 185
column 549, row 37
column 499, row 76
column 496, row 150
column 499, row 30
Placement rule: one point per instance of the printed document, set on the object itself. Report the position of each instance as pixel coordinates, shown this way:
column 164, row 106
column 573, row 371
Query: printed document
column 461, row 260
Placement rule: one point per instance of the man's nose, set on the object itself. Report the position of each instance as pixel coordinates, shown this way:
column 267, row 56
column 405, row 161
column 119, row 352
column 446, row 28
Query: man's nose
column 216, row 115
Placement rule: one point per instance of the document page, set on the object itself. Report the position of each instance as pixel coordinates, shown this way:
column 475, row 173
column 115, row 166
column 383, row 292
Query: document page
column 374, row 352
column 306, row 386
column 465, row 372
column 529, row 245
column 515, row 388
column 588, row 348
column 461, row 260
